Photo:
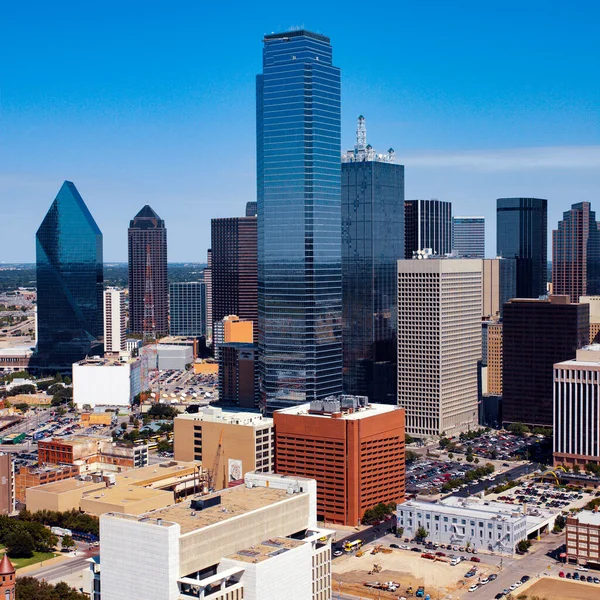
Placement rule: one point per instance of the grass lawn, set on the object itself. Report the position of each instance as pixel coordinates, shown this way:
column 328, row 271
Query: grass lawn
column 36, row 558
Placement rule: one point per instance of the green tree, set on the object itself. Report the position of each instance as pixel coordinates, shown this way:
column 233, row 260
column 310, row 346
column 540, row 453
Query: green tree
column 450, row 455
column 400, row 531
column 67, row 543
column 163, row 446
column 124, row 426
column 20, row 544
column 22, row 406
column 518, row 429
column 422, row 533
column 523, row 545
column 410, row 457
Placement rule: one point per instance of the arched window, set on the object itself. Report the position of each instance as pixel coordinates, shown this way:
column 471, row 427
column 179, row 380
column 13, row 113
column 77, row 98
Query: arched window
column 7, row 595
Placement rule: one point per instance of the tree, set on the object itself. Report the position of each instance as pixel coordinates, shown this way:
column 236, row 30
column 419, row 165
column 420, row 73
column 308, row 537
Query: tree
column 22, row 406
column 20, row 544
column 30, row 588
column 523, row 546
column 67, row 543
column 518, row 429
column 86, row 408
column 576, row 469
column 450, row 455
column 422, row 533
column 163, row 446
column 162, row 411
column 476, row 461
column 400, row 531
column 470, row 458
column 67, row 380
column 124, row 426
column 410, row 457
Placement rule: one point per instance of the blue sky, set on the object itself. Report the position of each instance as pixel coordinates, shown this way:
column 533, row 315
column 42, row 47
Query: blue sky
column 153, row 102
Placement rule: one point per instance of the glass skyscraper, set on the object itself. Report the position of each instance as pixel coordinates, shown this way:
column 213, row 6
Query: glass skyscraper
column 187, row 304
column 299, row 220
column 372, row 243
column 70, row 281
column 522, row 233
column 427, row 224
column 468, row 237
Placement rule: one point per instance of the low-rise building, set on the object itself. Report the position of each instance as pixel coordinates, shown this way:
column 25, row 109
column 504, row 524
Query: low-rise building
column 583, row 538
column 257, row 541
column 246, row 440
column 109, row 381
column 174, row 357
column 15, row 359
column 30, row 476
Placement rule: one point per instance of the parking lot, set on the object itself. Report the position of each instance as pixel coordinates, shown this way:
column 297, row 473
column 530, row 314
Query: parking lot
column 492, row 445
column 185, row 386
column 427, row 476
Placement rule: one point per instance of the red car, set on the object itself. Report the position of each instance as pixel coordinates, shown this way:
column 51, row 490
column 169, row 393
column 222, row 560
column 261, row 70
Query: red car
column 475, row 559
column 440, row 554
column 429, row 556
column 561, row 574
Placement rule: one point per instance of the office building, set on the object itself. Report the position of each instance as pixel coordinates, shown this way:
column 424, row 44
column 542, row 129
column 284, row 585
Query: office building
column 234, row 268
column 299, row 220
column 16, row 358
column 108, row 381
column 69, row 272
column 594, row 302
column 536, row 334
column 582, row 533
column 187, row 304
column 238, row 381
column 114, row 321
column 251, row 209
column 231, row 329
column 257, row 541
column 470, row 522
column 7, row 484
column 499, row 285
column 576, row 253
column 372, row 241
column 494, row 359
column 427, row 224
column 439, row 344
column 354, row 449
column 468, row 237
column 208, row 293
column 577, row 409
column 522, row 233
column 148, row 290
column 245, row 441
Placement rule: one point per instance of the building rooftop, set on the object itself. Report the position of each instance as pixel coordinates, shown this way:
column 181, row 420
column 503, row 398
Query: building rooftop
column 360, row 413
column 76, row 440
column 212, row 414
column 265, row 550
column 107, row 361
column 68, row 485
column 588, row 517
column 457, row 506
column 297, row 33
column 125, row 496
column 16, row 351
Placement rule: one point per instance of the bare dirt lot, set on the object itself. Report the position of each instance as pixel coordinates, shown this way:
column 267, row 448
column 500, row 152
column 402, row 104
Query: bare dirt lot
column 551, row 588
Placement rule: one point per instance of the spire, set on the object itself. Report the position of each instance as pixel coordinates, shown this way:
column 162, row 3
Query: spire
column 361, row 135
column 6, row 567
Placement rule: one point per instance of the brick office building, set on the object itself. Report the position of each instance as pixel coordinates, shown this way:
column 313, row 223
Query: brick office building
column 582, row 536
column 355, row 451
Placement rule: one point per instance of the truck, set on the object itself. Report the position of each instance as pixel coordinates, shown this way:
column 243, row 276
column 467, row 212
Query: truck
column 60, row 531
column 13, row 438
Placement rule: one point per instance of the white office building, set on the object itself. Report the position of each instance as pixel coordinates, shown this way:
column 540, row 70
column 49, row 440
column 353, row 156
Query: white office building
column 439, row 344
column 468, row 522
column 114, row 321
column 257, row 541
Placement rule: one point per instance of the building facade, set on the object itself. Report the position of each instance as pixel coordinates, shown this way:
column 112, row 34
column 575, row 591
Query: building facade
column 299, row 217
column 238, row 381
column 594, row 302
column 29, row 476
column 187, row 303
column 439, row 344
column 355, row 451
column 70, row 277
column 536, row 334
column 577, row 409
column 468, row 237
column 576, row 253
column 234, row 268
column 372, row 241
column 7, row 484
column 208, row 292
column 583, row 538
column 147, row 274
column 499, row 285
column 522, row 233
column 427, row 224
column 114, row 321
column 494, row 359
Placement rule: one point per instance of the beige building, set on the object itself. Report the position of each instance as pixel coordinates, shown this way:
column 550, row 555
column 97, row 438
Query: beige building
column 499, row 285
column 594, row 302
column 114, row 321
column 583, row 538
column 494, row 359
column 247, row 442
column 439, row 344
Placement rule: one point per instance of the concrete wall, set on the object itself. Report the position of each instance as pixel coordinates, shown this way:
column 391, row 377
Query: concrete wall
column 38, row 498
column 101, row 385
column 174, row 357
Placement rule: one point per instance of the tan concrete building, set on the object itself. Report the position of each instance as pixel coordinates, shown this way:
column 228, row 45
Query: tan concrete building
column 248, row 442
column 439, row 344
column 28, row 477
column 494, row 359
column 594, row 302
column 499, row 285
column 583, row 538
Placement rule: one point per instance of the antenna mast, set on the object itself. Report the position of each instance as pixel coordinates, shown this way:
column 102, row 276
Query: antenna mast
column 361, row 135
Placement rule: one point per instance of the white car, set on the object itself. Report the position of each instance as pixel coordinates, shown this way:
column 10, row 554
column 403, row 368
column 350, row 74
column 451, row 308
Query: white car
column 581, row 568
column 338, row 553
column 474, row 587
column 514, row 586
column 484, row 581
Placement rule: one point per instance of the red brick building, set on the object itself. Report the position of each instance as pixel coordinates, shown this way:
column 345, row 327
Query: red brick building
column 353, row 449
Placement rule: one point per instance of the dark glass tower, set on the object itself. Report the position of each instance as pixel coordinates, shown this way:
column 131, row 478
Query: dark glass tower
column 187, row 303
column 372, row 243
column 576, row 253
column 70, row 279
column 522, row 233
column 299, row 220
column 147, row 245
column 468, row 237
column 427, row 224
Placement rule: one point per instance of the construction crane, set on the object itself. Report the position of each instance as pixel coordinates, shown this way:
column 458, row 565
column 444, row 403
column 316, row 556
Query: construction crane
column 212, row 476
column 149, row 326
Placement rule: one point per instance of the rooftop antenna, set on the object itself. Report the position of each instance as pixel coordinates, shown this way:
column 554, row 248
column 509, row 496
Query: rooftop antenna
column 361, row 135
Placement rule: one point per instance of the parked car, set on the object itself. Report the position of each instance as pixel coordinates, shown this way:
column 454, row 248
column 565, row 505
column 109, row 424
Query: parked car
column 474, row 587
column 395, row 546
column 561, row 574
column 525, row 578
column 475, row 559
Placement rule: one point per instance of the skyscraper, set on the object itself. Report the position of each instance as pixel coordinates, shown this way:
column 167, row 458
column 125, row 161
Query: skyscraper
column 427, row 224
column 148, row 291
column 299, row 220
column 234, row 269
column 468, row 237
column 439, row 344
column 70, row 278
column 251, row 208
column 372, row 242
column 114, row 321
column 208, row 293
column 499, row 285
column 187, row 308
column 576, row 253
column 522, row 233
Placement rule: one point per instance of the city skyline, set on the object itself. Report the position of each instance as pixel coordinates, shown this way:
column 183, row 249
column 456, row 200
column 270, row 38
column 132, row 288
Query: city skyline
column 100, row 132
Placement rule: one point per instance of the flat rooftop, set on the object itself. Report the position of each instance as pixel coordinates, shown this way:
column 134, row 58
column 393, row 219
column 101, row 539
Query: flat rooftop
column 145, row 476
column 588, row 517
column 16, row 351
column 361, row 413
column 265, row 550
column 125, row 496
column 68, row 485
column 218, row 415
column 107, row 361
column 75, row 440
column 457, row 507
column 235, row 501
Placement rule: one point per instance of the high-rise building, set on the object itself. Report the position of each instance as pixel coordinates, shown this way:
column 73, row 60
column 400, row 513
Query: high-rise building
column 372, row 242
column 208, row 293
column 494, row 359
column 577, row 409
column 499, row 285
column 148, row 289
column 187, row 303
column 439, row 344
column 234, row 269
column 576, row 253
column 355, row 451
column 468, row 237
column 522, row 233
column 299, row 220
column 70, row 279
column 7, row 484
column 536, row 334
column 594, row 302
column 251, row 209
column 427, row 224
column 114, row 321
column 238, row 383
